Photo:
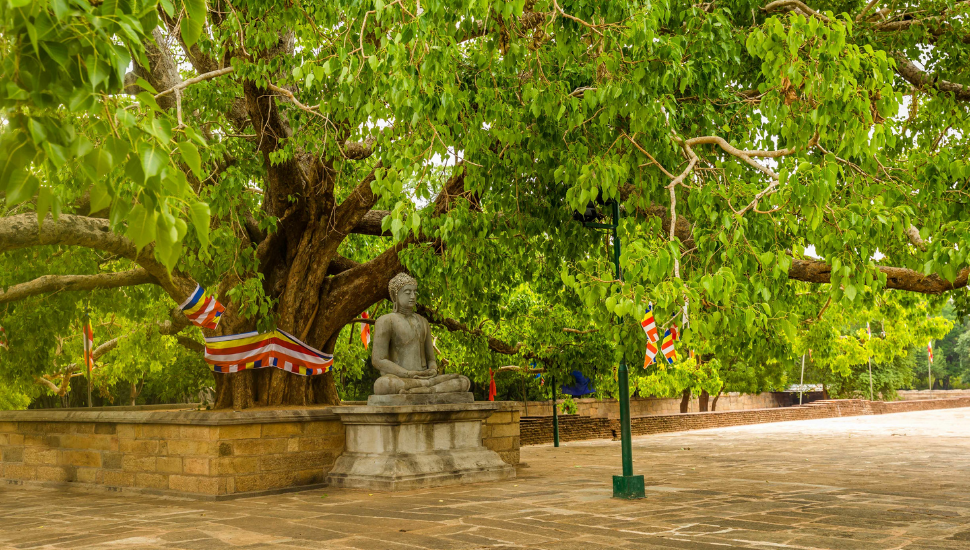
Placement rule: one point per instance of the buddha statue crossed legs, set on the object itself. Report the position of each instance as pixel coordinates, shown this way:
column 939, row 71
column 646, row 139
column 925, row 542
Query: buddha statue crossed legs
column 403, row 348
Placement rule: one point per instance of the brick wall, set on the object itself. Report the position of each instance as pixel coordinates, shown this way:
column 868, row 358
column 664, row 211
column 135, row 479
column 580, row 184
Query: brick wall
column 500, row 433
column 202, row 460
column 538, row 430
column 644, row 406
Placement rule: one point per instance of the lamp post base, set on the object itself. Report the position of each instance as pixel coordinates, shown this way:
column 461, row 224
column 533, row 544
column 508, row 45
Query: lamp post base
column 629, row 487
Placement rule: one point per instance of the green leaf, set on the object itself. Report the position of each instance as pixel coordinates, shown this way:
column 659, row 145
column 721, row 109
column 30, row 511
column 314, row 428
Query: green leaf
column 190, row 154
column 21, row 190
column 191, row 30
column 141, row 226
column 152, row 161
column 44, row 199
column 100, row 197
column 199, row 212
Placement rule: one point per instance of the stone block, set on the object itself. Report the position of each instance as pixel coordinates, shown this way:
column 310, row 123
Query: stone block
column 157, row 431
column 168, row 465
column 89, row 442
column 225, row 449
column 38, row 455
column 113, row 478
column 191, row 447
column 292, row 445
column 126, row 431
column 111, row 460
column 235, row 465
column 331, row 443
column 13, row 453
column 91, row 459
column 499, row 444
column 245, row 431
column 11, row 439
column 264, row 481
column 8, row 427
column 138, row 446
column 505, row 430
column 82, row 427
column 151, row 481
column 301, row 461
column 130, row 463
column 55, row 473
column 86, row 475
column 504, row 417
column 247, row 447
column 24, row 472
column 196, row 432
column 326, row 427
column 105, row 429
column 195, row 466
column 283, row 429
column 197, row 484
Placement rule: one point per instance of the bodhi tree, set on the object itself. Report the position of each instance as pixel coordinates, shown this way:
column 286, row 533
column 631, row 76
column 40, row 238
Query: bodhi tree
column 261, row 148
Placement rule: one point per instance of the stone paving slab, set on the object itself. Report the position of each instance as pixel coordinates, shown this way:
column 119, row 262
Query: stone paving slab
column 858, row 483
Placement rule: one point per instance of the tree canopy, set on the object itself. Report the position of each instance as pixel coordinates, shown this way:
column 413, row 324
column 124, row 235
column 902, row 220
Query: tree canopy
column 293, row 156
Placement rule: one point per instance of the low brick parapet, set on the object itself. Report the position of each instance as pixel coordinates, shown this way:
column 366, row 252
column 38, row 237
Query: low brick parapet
column 538, row 430
column 205, row 454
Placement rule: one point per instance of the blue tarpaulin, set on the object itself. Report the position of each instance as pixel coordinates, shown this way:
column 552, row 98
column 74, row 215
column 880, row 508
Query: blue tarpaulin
column 580, row 388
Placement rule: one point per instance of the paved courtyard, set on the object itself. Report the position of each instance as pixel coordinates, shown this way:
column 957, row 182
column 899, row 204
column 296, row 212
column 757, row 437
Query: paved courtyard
column 879, row 482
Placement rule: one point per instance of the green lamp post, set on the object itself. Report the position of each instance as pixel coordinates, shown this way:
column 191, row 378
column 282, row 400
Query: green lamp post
column 627, row 486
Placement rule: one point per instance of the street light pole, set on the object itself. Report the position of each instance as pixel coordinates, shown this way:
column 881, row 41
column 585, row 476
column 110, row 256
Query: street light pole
column 627, row 485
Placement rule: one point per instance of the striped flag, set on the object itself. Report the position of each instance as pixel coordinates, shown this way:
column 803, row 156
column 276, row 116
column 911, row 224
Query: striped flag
column 365, row 330
column 88, row 335
column 252, row 350
column 3, row 339
column 201, row 309
column 651, row 353
column 649, row 325
column 868, row 330
column 668, row 345
column 929, row 350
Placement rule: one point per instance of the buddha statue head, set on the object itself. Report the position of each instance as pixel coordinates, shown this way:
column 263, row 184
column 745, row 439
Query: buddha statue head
column 403, row 290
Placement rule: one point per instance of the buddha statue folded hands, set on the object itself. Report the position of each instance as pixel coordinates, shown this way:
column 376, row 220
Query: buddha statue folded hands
column 403, row 349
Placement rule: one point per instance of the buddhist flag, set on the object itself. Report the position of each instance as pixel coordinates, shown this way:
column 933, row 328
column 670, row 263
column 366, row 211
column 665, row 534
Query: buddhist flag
column 365, row 330
column 3, row 339
column 88, row 335
column 651, row 353
column 668, row 345
column 201, row 309
column 491, row 385
column 252, row 350
column 868, row 331
column 649, row 325
column 929, row 350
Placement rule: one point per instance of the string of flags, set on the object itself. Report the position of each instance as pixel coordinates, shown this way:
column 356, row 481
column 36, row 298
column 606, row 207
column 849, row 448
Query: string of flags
column 88, row 339
column 929, row 351
column 667, row 348
column 202, row 310
column 252, row 350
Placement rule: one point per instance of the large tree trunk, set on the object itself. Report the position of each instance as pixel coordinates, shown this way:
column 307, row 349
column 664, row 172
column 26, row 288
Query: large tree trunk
column 685, row 401
column 702, row 401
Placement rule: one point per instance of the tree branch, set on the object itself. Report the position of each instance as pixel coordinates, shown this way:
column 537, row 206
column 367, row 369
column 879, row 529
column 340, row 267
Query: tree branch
column 70, row 283
column 899, row 278
column 22, row 231
column 191, row 344
column 921, row 79
column 452, row 325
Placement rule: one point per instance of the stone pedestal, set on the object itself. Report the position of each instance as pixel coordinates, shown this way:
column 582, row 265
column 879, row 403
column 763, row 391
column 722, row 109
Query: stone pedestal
column 396, row 448
column 420, row 399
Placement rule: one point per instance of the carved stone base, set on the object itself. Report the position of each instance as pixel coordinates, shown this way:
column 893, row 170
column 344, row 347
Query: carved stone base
column 411, row 447
column 420, row 399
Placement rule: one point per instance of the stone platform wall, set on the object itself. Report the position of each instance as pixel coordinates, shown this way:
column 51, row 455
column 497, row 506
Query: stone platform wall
column 919, row 395
column 538, row 430
column 646, row 406
column 203, row 454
